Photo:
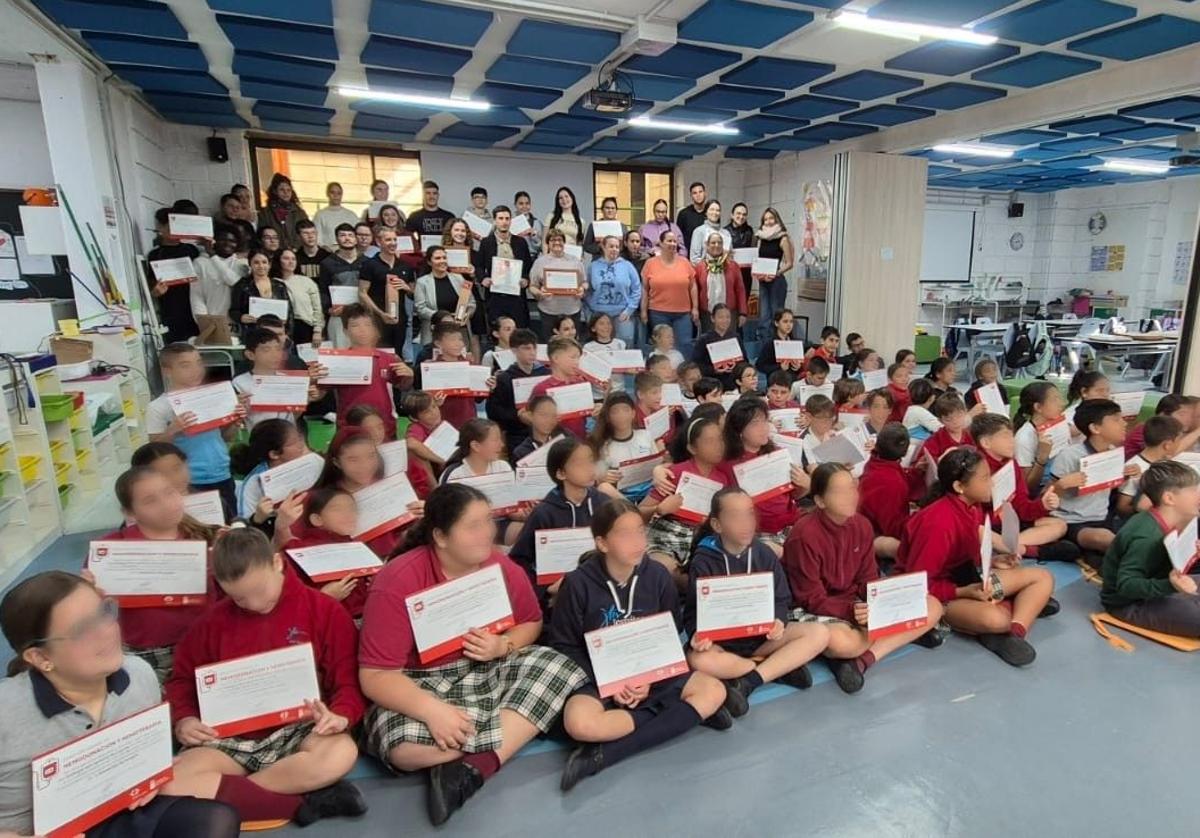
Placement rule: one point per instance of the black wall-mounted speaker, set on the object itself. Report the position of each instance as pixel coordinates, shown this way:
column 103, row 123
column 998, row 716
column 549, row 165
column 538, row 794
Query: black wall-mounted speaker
column 1016, row 210
column 218, row 151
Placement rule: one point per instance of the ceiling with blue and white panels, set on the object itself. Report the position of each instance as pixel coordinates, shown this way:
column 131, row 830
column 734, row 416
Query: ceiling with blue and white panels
column 781, row 72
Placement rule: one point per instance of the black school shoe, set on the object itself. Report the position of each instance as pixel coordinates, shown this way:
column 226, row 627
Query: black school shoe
column 737, row 697
column 1059, row 551
column 1049, row 609
column 720, row 720
column 341, row 800
column 450, row 786
column 847, row 675
column 1014, row 651
column 799, row 678
column 933, row 638
column 584, row 761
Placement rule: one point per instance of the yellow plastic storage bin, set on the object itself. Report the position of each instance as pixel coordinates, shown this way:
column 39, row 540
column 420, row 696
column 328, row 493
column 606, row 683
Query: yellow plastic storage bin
column 62, row 472
column 29, row 467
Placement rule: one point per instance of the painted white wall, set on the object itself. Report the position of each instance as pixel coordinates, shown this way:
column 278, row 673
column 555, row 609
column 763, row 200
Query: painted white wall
column 504, row 175
column 25, row 157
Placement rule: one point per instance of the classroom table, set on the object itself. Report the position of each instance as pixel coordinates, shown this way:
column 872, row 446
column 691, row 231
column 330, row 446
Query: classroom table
column 222, row 357
column 974, row 333
column 1119, row 349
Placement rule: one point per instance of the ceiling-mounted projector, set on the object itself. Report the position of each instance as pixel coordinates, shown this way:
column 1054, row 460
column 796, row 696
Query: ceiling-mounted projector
column 608, row 101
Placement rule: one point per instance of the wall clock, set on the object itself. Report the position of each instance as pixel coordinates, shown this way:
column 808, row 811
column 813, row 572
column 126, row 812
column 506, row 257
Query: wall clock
column 1097, row 223
column 1017, row 241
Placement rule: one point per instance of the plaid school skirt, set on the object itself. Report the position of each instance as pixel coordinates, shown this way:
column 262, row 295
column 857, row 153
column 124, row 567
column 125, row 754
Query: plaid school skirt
column 160, row 658
column 256, row 754
column 534, row 682
column 799, row 615
column 672, row 538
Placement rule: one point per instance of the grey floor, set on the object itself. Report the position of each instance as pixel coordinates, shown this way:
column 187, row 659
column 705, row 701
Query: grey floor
column 1088, row 741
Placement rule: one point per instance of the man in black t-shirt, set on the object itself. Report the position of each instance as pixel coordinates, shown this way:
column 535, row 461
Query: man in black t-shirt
column 692, row 217
column 430, row 219
column 309, row 255
column 377, row 273
column 174, row 301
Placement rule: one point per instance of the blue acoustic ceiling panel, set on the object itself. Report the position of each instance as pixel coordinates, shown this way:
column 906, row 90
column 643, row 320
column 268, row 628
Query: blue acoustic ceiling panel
column 741, row 152
column 641, row 132
column 735, row 23
column 131, row 17
column 1047, row 21
column 281, row 126
column 516, row 95
column 395, row 54
column 1095, row 124
column 385, row 136
column 701, row 116
column 866, row 85
column 952, row 95
column 292, row 113
column 657, row 160
column 1037, row 69
column 1148, row 36
column 540, row 39
column 208, row 120
column 279, row 37
column 492, row 116
column 730, row 98
column 686, row 61
column 946, row 58
column 373, row 122
column 777, row 73
column 584, row 126
column 941, row 171
column 1079, row 144
column 540, row 72
column 833, row 131
column 658, row 88
column 537, row 148
column 684, row 149
column 1074, row 162
column 1149, row 131
column 319, row 12
column 789, row 144
column 200, row 104
column 417, row 20
column 761, row 126
column 553, row 138
column 886, row 115
column 165, row 78
column 1143, row 152
column 937, row 12
column 810, row 107
column 461, row 142
column 1029, row 136
column 1035, row 153
column 1176, row 108
column 400, row 81
column 282, row 68
column 477, row 133
column 298, row 94
column 153, row 52
column 620, row 145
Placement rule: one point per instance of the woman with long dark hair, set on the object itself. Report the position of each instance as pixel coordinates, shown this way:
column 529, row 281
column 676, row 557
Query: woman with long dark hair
column 566, row 216
column 773, row 243
column 283, row 211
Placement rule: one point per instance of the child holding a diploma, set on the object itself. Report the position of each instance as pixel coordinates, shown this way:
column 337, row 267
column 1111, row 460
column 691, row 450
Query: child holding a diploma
column 829, row 558
column 480, row 453
column 449, row 344
column 615, row 583
column 887, row 489
column 264, row 350
column 387, row 371
column 207, row 451
column 273, row 442
column 1039, row 409
column 617, row 439
column 465, row 713
column 168, row 460
column 943, row 539
column 698, row 448
column 1141, row 583
column 725, row 545
column 543, row 427
column 745, row 379
column 879, row 404
column 899, row 374
column 1161, row 436
column 293, row 772
column 564, row 354
column 950, row 410
column 68, row 679
column 155, row 508
column 331, row 517
column 722, row 329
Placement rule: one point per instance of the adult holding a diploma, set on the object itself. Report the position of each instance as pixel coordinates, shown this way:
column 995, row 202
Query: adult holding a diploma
column 70, row 678
column 261, row 284
column 555, row 258
column 465, row 713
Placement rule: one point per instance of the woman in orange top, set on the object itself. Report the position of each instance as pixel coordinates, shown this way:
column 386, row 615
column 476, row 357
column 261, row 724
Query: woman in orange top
column 670, row 295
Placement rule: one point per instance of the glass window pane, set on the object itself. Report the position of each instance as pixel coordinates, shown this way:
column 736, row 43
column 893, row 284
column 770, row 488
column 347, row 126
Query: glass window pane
column 636, row 190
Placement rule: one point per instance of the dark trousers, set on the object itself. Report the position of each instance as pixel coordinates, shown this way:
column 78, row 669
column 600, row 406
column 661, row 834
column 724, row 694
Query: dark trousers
column 1176, row 613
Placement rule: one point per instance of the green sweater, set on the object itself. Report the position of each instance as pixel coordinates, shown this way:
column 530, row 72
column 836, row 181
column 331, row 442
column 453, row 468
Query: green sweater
column 1136, row 565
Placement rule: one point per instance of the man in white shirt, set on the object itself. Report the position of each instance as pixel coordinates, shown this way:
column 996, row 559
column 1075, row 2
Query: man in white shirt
column 210, row 294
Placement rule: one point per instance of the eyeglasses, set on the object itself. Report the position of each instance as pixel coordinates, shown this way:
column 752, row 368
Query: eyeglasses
column 87, row 628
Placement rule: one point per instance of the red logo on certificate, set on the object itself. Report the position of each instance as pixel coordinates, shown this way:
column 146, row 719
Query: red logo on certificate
column 597, row 642
column 49, row 770
column 418, row 606
column 704, row 590
column 210, row 679
column 101, row 552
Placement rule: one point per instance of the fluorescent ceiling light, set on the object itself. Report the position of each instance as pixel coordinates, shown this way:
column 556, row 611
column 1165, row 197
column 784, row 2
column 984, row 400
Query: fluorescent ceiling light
column 695, row 127
column 1137, row 167
column 910, row 31
column 976, row 150
column 446, row 103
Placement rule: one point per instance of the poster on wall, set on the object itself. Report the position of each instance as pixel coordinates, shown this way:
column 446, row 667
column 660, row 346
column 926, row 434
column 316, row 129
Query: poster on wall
column 1183, row 263
column 817, row 219
column 1107, row 258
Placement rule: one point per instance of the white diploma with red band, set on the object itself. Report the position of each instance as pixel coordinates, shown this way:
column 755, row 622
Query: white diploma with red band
column 573, row 400
column 298, row 475
column 479, row 376
column 242, row 695
column 627, row 360
column 533, row 483
column 343, row 295
column 897, row 604
column 697, row 493
column 725, row 353
column 523, row 388
column 500, row 488
column 807, row 391
column 794, row 445
column 658, row 423
column 395, row 456
column 261, row 306
column 383, row 506
column 450, row 378
column 836, row 372
column 638, row 471
column 767, row 476
column 1130, row 403
column 443, row 440
column 213, row 405
column 146, row 574
column 789, row 350
column 442, row 615
column 763, row 267
column 179, row 271
column 205, row 507
column 595, row 368
column 672, row 394
column 280, row 392
column 1004, row 484
column 1105, row 470
column 346, row 366
column 1181, row 547
column 556, row 552
column 635, row 652
column 183, row 227
column 739, row 605
column 989, row 395
column 537, row 457
column 744, row 257
column 1059, row 432
column 86, row 781
column 874, row 379
column 327, row 562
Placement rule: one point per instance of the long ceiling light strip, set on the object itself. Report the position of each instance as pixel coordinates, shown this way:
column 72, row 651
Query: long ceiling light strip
column 446, row 103
column 910, row 31
column 669, row 125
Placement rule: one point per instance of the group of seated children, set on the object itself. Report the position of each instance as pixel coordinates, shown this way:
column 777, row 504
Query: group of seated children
column 657, row 490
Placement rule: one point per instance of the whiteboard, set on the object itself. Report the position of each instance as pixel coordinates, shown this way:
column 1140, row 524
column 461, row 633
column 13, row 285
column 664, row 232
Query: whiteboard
column 948, row 245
